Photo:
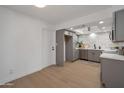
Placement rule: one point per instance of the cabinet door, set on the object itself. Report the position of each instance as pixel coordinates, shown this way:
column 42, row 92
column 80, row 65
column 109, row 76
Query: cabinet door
column 60, row 47
column 83, row 54
column 97, row 55
column 112, row 73
column 119, row 25
column 75, row 54
column 91, row 55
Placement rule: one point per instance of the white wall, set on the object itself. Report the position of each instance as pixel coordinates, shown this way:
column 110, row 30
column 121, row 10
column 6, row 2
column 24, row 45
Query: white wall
column 25, row 45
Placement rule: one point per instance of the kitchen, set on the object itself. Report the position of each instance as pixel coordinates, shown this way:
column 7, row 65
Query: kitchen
column 61, row 46
column 79, row 47
column 101, row 42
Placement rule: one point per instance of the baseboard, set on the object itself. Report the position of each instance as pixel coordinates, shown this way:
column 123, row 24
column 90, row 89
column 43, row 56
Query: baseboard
column 21, row 75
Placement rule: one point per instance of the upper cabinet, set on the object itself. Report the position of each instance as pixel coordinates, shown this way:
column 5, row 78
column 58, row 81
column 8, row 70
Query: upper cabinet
column 118, row 26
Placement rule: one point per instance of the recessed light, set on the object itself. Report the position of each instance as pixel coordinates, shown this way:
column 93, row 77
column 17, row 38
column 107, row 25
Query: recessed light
column 101, row 22
column 40, row 6
column 71, row 28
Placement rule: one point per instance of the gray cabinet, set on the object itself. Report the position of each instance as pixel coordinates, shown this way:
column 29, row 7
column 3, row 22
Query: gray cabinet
column 118, row 26
column 60, row 47
column 91, row 55
column 112, row 73
column 94, row 55
column 75, row 54
column 83, row 54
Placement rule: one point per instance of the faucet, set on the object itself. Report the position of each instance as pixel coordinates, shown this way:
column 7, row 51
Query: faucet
column 99, row 47
column 94, row 46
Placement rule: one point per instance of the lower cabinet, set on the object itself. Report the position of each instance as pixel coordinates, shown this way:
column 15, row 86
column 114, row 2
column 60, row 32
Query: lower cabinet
column 112, row 73
column 75, row 54
column 91, row 55
column 94, row 55
column 83, row 54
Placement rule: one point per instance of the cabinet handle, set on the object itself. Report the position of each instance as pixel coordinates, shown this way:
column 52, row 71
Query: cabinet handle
column 110, row 36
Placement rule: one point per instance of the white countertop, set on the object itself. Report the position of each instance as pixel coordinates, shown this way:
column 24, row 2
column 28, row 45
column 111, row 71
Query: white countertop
column 112, row 56
column 104, row 50
column 88, row 49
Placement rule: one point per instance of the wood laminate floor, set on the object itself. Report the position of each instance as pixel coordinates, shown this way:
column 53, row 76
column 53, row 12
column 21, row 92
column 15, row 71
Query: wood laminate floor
column 79, row 74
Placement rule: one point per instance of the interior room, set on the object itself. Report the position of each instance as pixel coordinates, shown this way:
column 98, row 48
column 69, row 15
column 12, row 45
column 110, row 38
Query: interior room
column 62, row 46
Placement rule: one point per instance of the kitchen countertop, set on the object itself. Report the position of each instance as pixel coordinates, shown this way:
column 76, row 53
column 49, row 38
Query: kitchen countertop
column 88, row 49
column 104, row 50
column 112, row 56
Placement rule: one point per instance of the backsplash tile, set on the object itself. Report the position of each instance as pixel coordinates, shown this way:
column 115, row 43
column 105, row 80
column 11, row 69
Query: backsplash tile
column 100, row 39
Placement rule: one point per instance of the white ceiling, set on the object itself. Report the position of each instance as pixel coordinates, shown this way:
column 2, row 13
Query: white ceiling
column 55, row 14
column 94, row 27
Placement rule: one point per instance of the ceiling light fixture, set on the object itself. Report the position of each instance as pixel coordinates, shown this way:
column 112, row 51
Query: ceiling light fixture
column 71, row 28
column 101, row 22
column 40, row 6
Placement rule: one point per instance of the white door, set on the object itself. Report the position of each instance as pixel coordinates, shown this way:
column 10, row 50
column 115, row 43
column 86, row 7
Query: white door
column 52, row 46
